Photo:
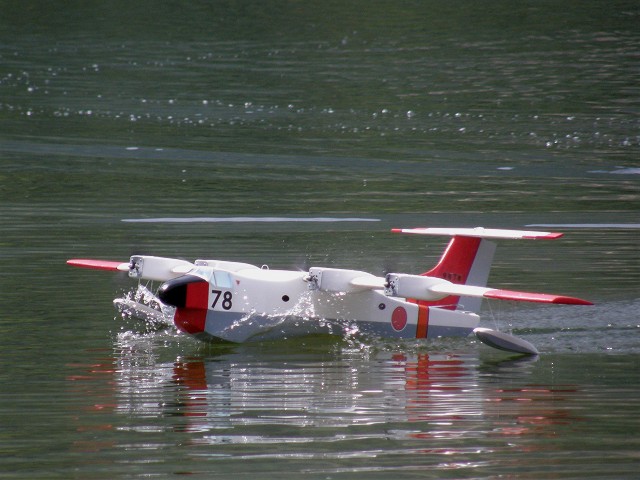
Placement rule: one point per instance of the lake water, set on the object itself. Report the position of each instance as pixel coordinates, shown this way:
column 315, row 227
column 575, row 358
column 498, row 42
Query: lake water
column 227, row 130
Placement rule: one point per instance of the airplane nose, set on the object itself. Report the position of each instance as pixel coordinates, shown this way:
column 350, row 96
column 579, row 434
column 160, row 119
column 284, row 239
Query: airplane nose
column 187, row 291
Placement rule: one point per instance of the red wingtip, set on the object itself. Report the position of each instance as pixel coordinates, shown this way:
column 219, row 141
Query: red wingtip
column 572, row 301
column 94, row 264
column 396, row 230
column 535, row 297
column 549, row 236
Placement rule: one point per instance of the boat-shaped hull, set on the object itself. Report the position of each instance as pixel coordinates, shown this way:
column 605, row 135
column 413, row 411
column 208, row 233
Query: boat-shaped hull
column 372, row 314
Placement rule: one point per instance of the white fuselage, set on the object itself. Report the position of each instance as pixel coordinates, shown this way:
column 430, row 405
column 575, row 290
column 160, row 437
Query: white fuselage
column 250, row 303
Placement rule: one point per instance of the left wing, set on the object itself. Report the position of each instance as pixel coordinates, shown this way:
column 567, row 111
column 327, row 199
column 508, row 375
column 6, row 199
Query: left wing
column 144, row 267
column 99, row 264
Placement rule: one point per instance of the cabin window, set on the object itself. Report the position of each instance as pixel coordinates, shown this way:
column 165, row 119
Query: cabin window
column 222, row 279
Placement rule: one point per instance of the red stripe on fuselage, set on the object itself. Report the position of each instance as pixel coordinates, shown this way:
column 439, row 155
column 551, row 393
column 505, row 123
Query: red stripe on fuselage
column 197, row 295
column 192, row 318
column 422, row 329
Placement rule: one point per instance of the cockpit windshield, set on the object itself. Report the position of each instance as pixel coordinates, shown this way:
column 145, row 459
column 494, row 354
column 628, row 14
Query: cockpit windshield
column 203, row 272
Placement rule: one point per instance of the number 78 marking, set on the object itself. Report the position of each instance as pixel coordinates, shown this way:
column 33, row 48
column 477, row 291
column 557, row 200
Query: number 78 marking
column 226, row 299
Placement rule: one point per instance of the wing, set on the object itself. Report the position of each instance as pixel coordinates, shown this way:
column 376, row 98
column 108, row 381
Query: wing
column 99, row 264
column 144, row 267
column 498, row 294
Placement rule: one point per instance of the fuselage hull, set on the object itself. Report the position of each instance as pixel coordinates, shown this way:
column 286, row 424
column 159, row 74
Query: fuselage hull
column 260, row 304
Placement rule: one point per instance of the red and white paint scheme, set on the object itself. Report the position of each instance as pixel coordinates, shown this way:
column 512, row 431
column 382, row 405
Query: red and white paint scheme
column 238, row 302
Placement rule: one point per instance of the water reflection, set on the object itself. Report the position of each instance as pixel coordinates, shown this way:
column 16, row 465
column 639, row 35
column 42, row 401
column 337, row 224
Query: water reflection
column 431, row 394
column 365, row 408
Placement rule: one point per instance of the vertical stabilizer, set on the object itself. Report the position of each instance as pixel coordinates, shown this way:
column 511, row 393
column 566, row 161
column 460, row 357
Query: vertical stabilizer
column 466, row 261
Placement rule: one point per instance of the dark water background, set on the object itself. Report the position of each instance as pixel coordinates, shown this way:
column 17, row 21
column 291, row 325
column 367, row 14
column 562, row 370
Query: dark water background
column 458, row 113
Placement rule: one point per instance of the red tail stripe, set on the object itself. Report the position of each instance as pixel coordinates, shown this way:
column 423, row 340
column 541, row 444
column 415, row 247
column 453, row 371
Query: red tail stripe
column 454, row 266
column 457, row 260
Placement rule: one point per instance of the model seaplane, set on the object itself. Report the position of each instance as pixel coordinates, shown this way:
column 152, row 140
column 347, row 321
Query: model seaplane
column 237, row 302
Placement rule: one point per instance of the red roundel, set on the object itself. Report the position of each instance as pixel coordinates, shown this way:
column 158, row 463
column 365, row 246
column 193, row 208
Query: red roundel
column 399, row 318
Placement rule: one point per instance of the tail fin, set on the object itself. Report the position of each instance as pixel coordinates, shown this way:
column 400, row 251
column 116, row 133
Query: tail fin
column 467, row 259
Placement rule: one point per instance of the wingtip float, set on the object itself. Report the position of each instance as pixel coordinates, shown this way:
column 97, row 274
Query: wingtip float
column 238, row 302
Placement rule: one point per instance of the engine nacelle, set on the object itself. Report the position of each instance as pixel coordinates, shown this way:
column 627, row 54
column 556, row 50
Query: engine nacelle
column 147, row 267
column 413, row 286
column 336, row 280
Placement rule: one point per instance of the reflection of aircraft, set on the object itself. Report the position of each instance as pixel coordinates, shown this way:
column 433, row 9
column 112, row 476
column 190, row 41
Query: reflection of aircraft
column 415, row 388
column 443, row 390
column 221, row 300
column 226, row 396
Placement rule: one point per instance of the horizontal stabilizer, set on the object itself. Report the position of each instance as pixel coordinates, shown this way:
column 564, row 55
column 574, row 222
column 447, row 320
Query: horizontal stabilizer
column 99, row 264
column 481, row 232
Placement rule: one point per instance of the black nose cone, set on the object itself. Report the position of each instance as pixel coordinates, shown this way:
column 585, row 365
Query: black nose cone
column 175, row 292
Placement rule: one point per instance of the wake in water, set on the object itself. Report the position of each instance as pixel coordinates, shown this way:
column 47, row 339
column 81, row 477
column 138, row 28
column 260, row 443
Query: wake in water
column 142, row 305
column 144, row 313
column 608, row 327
